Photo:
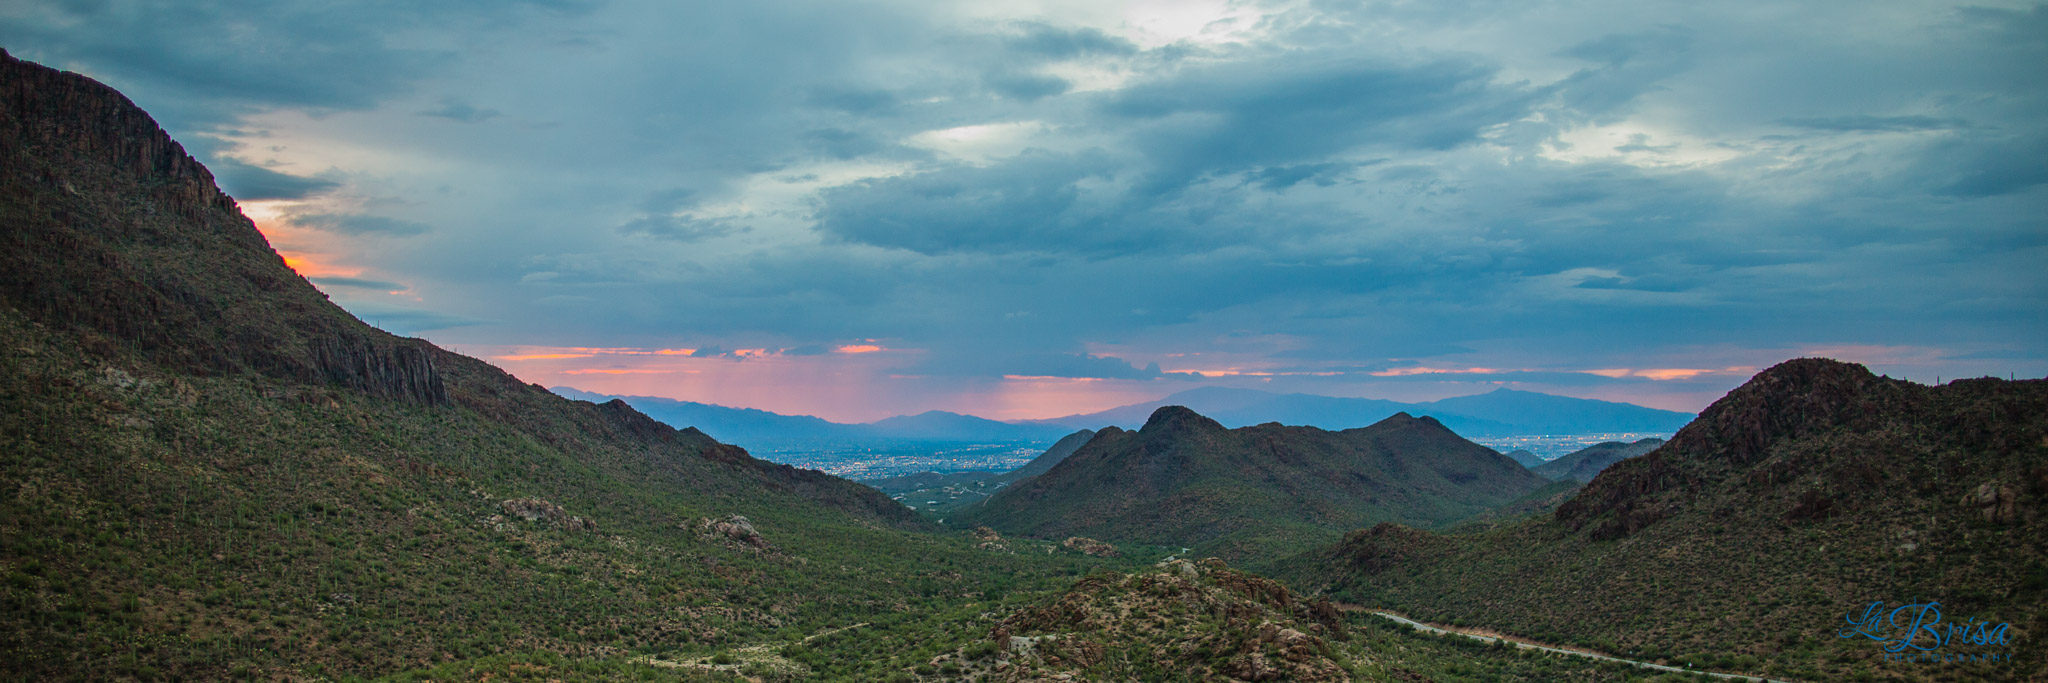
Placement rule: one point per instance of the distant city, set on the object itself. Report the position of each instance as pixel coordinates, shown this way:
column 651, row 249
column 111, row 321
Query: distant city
column 1554, row 446
column 868, row 461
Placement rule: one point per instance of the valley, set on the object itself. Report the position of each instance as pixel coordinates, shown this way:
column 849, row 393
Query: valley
column 213, row 472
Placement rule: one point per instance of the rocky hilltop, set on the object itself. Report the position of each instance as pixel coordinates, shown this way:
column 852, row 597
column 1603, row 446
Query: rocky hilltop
column 1248, row 493
column 1808, row 493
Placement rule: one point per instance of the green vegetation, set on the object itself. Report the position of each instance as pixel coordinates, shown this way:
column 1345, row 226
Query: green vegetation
column 1742, row 545
column 209, row 472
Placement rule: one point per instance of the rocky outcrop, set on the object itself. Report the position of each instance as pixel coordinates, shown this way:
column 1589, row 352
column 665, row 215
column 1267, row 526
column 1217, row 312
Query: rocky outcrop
column 399, row 371
column 1995, row 502
column 1089, row 546
column 537, row 510
column 988, row 539
column 1210, row 621
column 733, row 529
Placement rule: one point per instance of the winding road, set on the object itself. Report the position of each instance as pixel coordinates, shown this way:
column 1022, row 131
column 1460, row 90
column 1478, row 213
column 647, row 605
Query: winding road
column 1419, row 626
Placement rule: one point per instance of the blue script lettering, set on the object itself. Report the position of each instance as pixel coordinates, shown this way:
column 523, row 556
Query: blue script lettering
column 1917, row 626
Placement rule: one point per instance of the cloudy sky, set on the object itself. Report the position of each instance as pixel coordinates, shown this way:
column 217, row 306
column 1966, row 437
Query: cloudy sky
column 1028, row 209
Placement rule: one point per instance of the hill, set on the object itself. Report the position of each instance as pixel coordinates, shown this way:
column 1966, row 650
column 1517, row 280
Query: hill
column 1585, row 463
column 214, row 472
column 1503, row 412
column 1249, row 493
column 1524, row 458
column 1052, row 456
column 1748, row 541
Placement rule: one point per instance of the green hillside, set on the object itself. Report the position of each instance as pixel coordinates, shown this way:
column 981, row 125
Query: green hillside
column 1800, row 498
column 212, row 472
column 1255, row 492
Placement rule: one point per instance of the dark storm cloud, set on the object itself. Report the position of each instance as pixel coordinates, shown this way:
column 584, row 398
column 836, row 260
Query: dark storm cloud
column 359, row 224
column 357, row 283
column 1334, row 189
column 248, row 182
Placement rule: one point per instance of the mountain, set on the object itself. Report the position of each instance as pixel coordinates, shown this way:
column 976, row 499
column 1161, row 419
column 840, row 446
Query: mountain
column 1052, row 456
column 1533, row 413
column 1785, row 510
column 1524, row 458
column 213, row 472
column 939, row 425
column 1583, row 464
column 1500, row 413
column 765, row 429
column 1185, row 480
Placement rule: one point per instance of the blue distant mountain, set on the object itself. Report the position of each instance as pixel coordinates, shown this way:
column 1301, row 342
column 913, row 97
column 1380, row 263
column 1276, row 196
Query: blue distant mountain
column 1503, row 412
column 753, row 428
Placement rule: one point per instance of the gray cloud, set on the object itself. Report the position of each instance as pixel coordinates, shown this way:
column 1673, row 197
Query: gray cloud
column 359, row 224
column 357, row 283
column 1503, row 185
column 460, row 111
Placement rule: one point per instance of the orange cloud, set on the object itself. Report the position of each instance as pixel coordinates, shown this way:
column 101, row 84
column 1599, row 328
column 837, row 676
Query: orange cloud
column 858, row 348
column 544, row 356
column 306, row 266
column 1665, row 374
column 619, row 371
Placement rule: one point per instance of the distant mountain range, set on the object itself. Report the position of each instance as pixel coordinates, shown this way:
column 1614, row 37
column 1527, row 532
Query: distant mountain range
column 1254, row 493
column 760, row 428
column 1503, row 412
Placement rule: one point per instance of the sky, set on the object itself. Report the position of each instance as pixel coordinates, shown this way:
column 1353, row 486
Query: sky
column 1026, row 209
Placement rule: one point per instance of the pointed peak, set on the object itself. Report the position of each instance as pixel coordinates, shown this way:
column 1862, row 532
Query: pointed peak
column 1178, row 417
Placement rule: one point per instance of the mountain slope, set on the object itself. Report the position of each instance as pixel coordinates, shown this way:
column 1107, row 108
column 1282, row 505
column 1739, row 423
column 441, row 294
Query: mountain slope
column 1524, row 458
column 1803, row 496
column 730, row 425
column 1059, row 452
column 215, row 473
column 1183, row 479
column 1585, row 463
column 1500, row 413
